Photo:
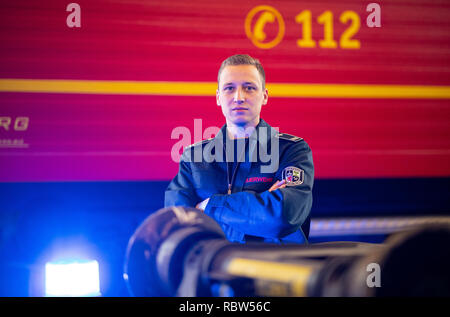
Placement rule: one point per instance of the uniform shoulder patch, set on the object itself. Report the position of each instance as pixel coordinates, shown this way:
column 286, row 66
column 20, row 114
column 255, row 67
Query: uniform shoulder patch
column 293, row 176
column 198, row 143
column 289, row 137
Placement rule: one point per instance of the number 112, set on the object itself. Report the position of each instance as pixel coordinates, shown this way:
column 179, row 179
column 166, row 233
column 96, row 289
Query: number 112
column 326, row 19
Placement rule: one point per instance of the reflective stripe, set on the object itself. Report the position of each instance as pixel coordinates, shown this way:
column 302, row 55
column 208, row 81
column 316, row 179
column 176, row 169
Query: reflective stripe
column 173, row 88
column 290, row 279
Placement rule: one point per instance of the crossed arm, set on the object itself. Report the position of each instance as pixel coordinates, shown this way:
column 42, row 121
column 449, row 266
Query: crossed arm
column 278, row 184
column 274, row 213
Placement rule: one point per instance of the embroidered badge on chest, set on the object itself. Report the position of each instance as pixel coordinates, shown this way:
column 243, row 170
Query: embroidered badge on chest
column 293, row 175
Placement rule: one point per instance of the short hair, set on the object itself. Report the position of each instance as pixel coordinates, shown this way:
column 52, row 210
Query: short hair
column 243, row 59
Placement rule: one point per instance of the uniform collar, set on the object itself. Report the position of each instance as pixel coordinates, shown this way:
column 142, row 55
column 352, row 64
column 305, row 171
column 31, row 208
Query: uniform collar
column 218, row 141
column 262, row 124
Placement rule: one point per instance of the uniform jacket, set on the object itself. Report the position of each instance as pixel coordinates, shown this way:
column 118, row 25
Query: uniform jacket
column 250, row 212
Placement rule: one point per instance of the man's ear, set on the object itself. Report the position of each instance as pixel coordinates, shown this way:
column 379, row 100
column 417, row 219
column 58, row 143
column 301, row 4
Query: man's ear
column 217, row 97
column 266, row 97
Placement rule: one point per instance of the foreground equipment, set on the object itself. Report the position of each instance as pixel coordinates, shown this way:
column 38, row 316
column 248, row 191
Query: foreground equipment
column 180, row 251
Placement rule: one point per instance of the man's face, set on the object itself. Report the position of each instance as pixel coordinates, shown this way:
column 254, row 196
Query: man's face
column 241, row 95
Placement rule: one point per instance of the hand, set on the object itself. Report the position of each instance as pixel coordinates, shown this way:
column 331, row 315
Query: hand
column 278, row 184
column 202, row 205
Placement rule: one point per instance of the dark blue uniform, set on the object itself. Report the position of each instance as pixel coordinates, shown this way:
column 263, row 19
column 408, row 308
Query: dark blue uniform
column 239, row 198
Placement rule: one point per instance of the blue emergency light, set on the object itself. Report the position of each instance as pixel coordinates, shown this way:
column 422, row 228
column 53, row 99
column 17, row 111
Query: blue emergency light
column 72, row 278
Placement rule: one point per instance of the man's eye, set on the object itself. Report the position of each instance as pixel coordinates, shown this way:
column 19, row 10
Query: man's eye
column 229, row 88
column 250, row 88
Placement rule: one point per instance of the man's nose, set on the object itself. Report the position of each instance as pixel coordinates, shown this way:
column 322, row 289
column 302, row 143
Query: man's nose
column 239, row 97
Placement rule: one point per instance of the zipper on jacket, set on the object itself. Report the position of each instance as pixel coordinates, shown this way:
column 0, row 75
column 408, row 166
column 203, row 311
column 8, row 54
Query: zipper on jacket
column 230, row 183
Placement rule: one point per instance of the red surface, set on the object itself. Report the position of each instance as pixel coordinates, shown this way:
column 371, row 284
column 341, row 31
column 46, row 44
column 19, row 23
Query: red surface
column 124, row 137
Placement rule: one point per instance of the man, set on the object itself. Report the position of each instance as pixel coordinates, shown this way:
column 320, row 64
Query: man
column 250, row 199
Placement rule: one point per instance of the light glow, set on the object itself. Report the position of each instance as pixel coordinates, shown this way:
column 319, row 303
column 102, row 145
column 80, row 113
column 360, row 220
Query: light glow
column 72, row 278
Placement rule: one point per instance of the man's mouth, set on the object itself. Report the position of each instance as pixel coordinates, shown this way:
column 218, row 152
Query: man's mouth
column 239, row 108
